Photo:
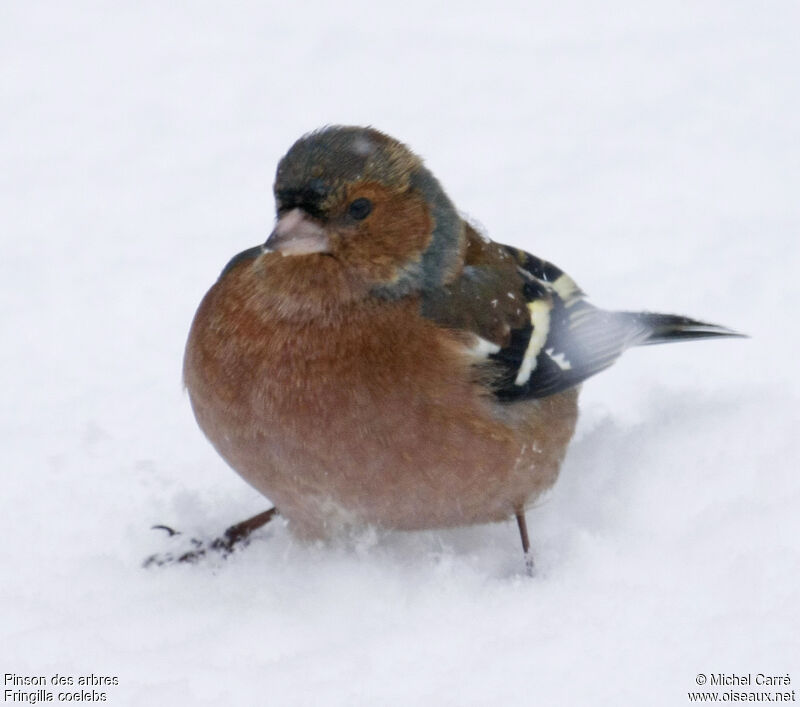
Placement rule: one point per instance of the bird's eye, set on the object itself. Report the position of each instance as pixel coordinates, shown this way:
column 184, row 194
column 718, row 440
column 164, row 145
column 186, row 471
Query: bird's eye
column 360, row 208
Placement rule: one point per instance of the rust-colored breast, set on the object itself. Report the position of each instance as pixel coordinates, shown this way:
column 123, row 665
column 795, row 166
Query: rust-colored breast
column 344, row 409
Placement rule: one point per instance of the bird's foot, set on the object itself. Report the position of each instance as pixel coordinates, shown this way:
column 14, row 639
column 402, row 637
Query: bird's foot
column 236, row 536
column 530, row 567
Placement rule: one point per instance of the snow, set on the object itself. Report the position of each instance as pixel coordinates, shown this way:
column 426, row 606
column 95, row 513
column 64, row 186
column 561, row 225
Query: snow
column 649, row 149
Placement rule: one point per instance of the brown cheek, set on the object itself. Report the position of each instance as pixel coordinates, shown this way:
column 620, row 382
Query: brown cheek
column 393, row 236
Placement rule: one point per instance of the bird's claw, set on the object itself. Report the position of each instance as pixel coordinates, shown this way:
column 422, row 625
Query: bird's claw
column 236, row 536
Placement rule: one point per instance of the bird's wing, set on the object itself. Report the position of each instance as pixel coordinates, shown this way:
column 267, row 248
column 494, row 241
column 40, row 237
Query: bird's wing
column 530, row 321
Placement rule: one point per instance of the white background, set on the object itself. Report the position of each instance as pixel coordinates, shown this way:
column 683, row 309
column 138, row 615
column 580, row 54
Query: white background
column 650, row 149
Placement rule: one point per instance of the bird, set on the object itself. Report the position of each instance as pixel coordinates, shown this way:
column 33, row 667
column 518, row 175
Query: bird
column 380, row 362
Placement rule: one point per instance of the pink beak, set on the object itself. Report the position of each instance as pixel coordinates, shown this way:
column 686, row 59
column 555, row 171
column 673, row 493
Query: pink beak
column 296, row 234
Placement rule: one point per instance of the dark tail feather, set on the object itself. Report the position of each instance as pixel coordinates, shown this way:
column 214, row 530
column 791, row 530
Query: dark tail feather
column 666, row 328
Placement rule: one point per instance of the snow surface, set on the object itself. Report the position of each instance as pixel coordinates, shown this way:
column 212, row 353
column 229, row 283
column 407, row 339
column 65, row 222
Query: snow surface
column 650, row 149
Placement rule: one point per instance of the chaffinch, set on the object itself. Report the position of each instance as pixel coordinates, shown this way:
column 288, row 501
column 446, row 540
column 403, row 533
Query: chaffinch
column 379, row 362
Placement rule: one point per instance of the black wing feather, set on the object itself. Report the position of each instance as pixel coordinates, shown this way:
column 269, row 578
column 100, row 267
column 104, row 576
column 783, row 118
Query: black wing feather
column 538, row 331
column 581, row 340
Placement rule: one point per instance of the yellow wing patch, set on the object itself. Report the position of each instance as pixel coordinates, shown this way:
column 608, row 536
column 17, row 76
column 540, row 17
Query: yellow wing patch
column 540, row 320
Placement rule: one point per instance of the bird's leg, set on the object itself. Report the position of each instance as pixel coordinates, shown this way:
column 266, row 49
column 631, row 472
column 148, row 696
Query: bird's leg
column 526, row 543
column 225, row 544
column 241, row 531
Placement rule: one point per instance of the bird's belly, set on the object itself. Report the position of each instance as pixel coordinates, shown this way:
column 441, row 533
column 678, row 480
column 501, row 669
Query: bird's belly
column 404, row 439
column 420, row 466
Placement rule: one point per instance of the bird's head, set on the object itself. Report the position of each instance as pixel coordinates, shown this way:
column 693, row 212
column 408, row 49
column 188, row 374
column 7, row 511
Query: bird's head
column 362, row 198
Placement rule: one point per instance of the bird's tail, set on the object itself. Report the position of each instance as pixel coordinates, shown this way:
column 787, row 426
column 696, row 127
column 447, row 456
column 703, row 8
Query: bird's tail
column 667, row 328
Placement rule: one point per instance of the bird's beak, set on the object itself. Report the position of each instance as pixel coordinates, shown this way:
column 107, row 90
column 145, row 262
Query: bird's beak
column 296, row 234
